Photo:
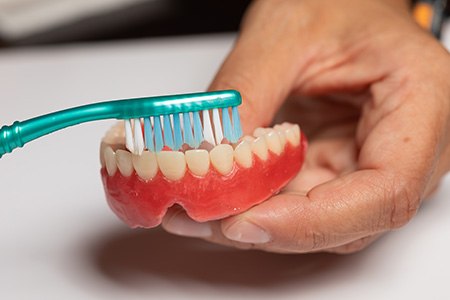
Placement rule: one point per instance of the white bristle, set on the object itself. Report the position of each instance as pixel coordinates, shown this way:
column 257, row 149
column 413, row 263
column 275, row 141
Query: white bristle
column 217, row 126
column 181, row 121
column 138, row 137
column 207, row 128
column 129, row 136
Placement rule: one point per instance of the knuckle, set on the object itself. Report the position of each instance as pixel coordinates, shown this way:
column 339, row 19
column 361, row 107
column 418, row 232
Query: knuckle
column 311, row 239
column 404, row 203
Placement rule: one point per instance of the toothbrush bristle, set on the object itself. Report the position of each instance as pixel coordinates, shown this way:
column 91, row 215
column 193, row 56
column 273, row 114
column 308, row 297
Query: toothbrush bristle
column 159, row 143
column 227, row 127
column 177, row 132
column 168, row 137
column 138, row 137
column 217, row 126
column 129, row 136
column 148, row 131
column 207, row 128
column 198, row 134
column 153, row 134
column 187, row 126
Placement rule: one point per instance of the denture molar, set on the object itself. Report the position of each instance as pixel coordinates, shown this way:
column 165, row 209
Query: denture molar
column 222, row 158
column 248, row 138
column 146, row 165
column 273, row 142
column 281, row 134
column 110, row 161
column 243, row 154
column 172, row 164
column 293, row 135
column 123, row 159
column 198, row 161
column 259, row 147
column 259, row 132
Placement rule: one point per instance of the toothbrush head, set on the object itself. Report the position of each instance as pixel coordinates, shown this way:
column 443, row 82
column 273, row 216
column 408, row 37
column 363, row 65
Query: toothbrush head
column 204, row 117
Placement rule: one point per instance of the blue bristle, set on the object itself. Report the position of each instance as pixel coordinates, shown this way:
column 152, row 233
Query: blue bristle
column 159, row 143
column 227, row 128
column 148, row 134
column 236, row 124
column 198, row 131
column 187, row 128
column 168, row 137
column 177, row 132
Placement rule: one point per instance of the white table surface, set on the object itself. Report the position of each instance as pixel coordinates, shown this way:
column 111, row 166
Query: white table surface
column 59, row 239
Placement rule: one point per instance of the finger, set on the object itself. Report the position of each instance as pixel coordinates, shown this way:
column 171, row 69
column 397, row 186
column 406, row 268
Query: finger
column 263, row 69
column 331, row 215
column 354, row 246
column 176, row 221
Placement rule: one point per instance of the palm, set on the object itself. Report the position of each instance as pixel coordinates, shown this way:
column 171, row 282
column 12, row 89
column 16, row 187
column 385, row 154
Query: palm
column 330, row 126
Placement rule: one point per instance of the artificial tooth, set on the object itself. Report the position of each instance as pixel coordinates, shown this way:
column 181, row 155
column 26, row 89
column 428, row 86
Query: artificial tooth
column 103, row 146
column 279, row 129
column 259, row 147
column 282, row 138
column 273, row 142
column 293, row 135
column 259, row 132
column 145, row 165
column 297, row 131
column 110, row 161
column 248, row 138
column 222, row 158
column 123, row 159
column 198, row 161
column 172, row 164
column 243, row 154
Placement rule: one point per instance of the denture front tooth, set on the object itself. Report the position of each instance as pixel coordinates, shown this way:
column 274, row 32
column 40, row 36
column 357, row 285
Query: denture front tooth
column 273, row 142
column 198, row 161
column 222, row 158
column 123, row 159
column 172, row 164
column 110, row 161
column 259, row 132
column 259, row 147
column 293, row 135
column 145, row 165
column 243, row 154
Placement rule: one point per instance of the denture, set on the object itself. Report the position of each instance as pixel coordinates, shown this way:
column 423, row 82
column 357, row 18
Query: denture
column 210, row 183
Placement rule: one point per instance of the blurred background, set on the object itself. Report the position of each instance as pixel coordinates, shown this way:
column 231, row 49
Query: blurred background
column 31, row 22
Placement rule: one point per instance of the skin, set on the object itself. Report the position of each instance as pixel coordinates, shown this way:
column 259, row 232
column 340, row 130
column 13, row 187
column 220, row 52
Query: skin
column 371, row 91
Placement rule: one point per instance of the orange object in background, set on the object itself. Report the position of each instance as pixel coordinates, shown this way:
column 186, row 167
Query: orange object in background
column 423, row 14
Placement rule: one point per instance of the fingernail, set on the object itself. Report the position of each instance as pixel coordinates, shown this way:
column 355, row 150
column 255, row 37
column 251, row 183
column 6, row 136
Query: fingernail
column 181, row 224
column 246, row 232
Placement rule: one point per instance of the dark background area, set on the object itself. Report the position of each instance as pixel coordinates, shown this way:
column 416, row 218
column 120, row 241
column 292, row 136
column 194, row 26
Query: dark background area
column 149, row 19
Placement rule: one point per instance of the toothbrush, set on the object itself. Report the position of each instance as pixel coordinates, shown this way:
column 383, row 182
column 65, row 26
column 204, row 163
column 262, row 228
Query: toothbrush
column 181, row 122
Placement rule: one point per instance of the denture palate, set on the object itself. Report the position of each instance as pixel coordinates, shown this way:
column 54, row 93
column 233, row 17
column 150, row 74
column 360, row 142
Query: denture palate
column 174, row 164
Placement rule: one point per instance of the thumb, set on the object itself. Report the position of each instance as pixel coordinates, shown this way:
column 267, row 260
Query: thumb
column 333, row 214
column 261, row 69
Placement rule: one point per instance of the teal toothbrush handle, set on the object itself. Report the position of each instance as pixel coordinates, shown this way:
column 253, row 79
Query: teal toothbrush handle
column 20, row 133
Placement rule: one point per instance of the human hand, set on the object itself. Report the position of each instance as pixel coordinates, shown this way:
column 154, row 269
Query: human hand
column 370, row 89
